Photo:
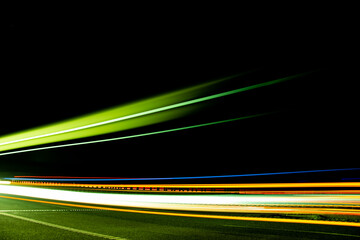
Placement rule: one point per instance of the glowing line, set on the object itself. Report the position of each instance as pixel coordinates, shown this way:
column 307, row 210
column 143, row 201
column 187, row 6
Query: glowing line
column 156, row 110
column 156, row 200
column 132, row 136
column 211, row 185
column 282, row 220
column 233, row 209
column 223, row 185
column 180, row 178
column 63, row 177
column 112, row 113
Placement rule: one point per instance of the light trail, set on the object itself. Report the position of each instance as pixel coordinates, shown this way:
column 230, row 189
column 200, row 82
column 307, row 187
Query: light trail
column 245, row 209
column 133, row 136
column 93, row 128
column 241, row 218
column 102, row 118
column 49, row 178
column 153, row 200
column 191, row 185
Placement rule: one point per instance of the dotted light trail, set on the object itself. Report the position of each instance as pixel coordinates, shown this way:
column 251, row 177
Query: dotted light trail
column 264, row 204
column 97, row 179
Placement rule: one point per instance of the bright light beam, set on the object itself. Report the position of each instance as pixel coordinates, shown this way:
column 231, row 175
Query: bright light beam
column 92, row 129
column 131, row 136
column 203, row 177
column 204, row 203
column 150, row 200
column 241, row 218
column 86, row 125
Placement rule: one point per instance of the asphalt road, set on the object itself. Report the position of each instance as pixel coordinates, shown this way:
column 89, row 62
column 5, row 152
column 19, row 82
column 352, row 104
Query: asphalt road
column 33, row 220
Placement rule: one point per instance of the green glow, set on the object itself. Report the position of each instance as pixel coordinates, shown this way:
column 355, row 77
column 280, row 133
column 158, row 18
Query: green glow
column 133, row 136
column 141, row 113
column 123, row 117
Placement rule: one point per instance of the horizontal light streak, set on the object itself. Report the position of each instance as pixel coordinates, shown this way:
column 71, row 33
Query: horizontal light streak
column 259, row 209
column 61, row 177
column 316, row 191
column 89, row 126
column 216, row 185
column 134, row 199
column 66, row 178
column 265, row 219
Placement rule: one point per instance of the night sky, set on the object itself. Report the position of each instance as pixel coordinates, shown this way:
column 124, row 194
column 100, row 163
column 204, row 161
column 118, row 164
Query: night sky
column 58, row 69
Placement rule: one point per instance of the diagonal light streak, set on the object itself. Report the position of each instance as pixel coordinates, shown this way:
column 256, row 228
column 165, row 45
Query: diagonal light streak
column 149, row 112
column 132, row 136
column 45, row 134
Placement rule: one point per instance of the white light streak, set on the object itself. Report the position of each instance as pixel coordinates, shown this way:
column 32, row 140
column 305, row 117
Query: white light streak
column 222, row 203
column 5, row 182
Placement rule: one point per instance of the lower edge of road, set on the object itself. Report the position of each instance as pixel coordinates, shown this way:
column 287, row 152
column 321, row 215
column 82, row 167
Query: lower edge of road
column 297, row 230
column 62, row 227
column 241, row 218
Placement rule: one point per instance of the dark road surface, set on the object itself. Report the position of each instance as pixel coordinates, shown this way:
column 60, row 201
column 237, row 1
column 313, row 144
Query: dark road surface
column 31, row 220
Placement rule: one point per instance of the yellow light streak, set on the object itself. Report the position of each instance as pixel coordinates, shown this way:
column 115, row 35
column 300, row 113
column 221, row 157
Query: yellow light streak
column 122, row 117
column 281, row 220
column 133, row 115
column 217, row 185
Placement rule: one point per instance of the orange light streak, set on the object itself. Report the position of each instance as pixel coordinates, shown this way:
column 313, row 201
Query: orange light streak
column 282, row 220
column 228, row 185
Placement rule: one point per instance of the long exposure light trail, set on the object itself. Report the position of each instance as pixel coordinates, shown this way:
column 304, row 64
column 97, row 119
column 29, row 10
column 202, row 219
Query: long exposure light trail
column 208, row 203
column 135, row 199
column 89, row 179
column 250, row 209
column 152, row 107
column 101, row 118
column 133, row 136
column 213, row 185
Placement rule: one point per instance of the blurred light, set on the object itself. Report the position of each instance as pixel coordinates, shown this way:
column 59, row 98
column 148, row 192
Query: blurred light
column 132, row 136
column 63, row 179
column 142, row 113
column 5, row 182
column 207, row 203
column 137, row 200
column 118, row 118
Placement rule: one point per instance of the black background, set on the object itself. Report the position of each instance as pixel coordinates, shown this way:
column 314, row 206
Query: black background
column 71, row 64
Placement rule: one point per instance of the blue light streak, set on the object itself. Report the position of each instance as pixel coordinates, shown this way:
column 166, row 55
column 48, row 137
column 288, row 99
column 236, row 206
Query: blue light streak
column 175, row 178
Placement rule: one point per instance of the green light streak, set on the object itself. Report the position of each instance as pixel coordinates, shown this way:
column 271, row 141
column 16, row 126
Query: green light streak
column 141, row 113
column 136, row 135
column 123, row 117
